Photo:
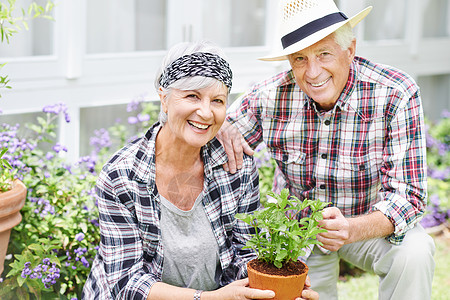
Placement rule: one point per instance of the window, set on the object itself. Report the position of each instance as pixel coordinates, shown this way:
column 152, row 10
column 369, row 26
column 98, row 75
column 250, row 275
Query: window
column 436, row 19
column 235, row 23
column 125, row 25
column 38, row 40
column 387, row 20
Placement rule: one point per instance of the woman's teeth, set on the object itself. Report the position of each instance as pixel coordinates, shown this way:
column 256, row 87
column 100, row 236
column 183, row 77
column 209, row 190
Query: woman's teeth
column 198, row 125
column 320, row 83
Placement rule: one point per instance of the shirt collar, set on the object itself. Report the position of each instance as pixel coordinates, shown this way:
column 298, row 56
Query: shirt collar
column 144, row 168
column 343, row 100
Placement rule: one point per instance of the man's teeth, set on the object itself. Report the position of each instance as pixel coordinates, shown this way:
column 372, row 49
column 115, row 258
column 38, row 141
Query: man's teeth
column 320, row 83
column 198, row 125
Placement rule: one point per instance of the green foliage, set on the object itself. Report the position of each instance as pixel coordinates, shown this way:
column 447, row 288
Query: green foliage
column 4, row 80
column 60, row 218
column 11, row 24
column 279, row 235
column 266, row 169
column 6, row 172
column 59, row 230
column 438, row 163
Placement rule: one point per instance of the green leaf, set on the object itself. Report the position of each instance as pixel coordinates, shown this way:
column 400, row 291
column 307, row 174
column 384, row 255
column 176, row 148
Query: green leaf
column 277, row 264
column 20, row 280
column 36, row 247
column 83, row 227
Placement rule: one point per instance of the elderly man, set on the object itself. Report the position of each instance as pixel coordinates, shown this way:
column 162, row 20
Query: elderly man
column 348, row 131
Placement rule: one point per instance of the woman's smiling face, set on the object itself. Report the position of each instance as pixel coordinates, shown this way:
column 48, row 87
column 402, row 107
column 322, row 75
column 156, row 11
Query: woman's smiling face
column 322, row 70
column 195, row 116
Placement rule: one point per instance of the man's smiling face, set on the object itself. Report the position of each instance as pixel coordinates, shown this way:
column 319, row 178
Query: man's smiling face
column 322, row 70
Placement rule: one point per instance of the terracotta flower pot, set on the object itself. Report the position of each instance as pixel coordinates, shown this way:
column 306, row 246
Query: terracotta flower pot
column 11, row 202
column 285, row 287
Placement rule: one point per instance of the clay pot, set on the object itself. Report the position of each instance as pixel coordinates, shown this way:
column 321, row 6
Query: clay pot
column 11, row 202
column 285, row 287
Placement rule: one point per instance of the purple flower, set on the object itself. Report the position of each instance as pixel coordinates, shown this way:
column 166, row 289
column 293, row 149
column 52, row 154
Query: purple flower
column 49, row 155
column 57, row 109
column 58, row 148
column 434, row 215
column 79, row 237
column 42, row 206
column 445, row 114
column 85, row 262
column 89, row 162
column 132, row 120
column 442, row 174
column 143, row 118
column 134, row 105
column 100, row 140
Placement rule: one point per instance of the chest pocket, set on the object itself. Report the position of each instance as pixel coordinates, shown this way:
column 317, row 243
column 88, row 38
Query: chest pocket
column 293, row 166
column 287, row 157
column 360, row 174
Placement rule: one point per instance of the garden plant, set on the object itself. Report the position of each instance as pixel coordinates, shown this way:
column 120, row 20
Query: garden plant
column 279, row 239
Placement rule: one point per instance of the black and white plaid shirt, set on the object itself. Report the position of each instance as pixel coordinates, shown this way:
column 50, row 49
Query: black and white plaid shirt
column 130, row 258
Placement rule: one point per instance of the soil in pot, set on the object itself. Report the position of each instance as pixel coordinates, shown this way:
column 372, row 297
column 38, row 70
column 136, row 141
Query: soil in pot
column 287, row 282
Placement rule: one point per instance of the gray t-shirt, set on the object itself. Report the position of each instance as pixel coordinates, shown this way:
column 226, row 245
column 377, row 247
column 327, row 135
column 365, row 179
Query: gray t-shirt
column 191, row 252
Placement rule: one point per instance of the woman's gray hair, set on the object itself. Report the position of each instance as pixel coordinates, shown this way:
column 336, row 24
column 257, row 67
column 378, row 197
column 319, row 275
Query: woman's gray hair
column 186, row 83
column 344, row 36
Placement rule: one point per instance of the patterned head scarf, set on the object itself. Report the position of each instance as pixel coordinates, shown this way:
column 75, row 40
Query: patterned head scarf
column 197, row 64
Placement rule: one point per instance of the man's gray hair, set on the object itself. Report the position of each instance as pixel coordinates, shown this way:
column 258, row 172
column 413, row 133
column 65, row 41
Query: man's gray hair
column 186, row 83
column 344, row 36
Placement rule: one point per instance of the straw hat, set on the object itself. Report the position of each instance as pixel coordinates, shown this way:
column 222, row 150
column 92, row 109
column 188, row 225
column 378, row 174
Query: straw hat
column 303, row 23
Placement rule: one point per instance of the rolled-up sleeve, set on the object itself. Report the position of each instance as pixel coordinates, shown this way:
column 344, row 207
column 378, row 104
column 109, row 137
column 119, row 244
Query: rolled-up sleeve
column 403, row 174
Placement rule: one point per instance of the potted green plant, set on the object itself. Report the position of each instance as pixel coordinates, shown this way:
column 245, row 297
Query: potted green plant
column 279, row 239
column 12, row 199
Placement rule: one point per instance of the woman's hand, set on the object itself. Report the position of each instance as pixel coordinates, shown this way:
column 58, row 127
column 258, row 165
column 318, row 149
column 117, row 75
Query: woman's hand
column 237, row 290
column 308, row 293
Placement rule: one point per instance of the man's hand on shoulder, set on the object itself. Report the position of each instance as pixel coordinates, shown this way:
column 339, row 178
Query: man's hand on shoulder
column 235, row 145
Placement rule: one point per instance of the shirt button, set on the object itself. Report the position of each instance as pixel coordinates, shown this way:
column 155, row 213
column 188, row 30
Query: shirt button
column 322, row 186
column 285, row 157
column 324, row 156
column 327, row 122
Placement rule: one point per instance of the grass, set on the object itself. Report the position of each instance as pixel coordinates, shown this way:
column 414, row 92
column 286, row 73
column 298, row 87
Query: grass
column 366, row 285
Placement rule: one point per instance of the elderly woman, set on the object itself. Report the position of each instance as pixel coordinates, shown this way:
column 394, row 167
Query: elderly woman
column 167, row 206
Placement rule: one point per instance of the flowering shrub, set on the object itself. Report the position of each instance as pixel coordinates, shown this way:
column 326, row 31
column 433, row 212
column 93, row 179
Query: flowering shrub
column 52, row 249
column 46, row 255
column 438, row 162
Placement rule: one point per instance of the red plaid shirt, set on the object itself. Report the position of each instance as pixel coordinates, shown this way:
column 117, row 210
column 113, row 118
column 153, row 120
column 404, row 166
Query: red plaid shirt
column 366, row 154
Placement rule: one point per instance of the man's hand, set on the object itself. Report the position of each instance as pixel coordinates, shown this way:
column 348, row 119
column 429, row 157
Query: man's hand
column 338, row 229
column 343, row 230
column 235, row 145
